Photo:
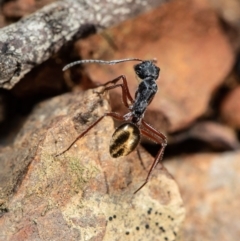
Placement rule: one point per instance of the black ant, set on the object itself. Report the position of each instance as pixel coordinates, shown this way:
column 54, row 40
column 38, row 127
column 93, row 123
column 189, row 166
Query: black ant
column 127, row 136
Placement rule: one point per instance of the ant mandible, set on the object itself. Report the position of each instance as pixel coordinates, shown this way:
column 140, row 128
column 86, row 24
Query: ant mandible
column 127, row 136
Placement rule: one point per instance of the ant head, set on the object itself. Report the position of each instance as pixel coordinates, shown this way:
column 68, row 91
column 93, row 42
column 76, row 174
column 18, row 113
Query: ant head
column 146, row 69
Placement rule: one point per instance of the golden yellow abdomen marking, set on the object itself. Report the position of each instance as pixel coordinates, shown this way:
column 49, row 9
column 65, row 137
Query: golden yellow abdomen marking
column 124, row 140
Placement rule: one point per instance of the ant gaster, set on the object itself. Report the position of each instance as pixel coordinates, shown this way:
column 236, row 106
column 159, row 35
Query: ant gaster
column 127, row 136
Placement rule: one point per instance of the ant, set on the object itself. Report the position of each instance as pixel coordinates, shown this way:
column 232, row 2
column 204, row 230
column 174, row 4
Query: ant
column 127, row 136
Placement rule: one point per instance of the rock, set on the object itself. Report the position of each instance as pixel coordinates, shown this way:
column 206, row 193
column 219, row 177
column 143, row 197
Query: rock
column 209, row 184
column 83, row 194
column 228, row 10
column 216, row 136
column 230, row 108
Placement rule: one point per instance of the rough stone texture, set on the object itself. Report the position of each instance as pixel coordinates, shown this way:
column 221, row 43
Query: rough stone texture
column 192, row 51
column 209, row 184
column 230, row 108
column 83, row 194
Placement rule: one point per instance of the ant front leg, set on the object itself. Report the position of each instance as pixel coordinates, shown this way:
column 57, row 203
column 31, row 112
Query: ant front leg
column 112, row 114
column 159, row 138
column 126, row 96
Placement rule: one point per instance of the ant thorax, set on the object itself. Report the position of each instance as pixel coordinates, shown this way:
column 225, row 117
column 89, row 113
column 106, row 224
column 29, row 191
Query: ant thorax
column 143, row 97
column 147, row 73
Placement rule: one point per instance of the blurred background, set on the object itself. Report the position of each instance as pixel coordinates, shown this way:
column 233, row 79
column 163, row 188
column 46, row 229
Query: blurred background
column 196, row 44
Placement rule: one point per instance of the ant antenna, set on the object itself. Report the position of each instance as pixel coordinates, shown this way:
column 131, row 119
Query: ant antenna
column 99, row 62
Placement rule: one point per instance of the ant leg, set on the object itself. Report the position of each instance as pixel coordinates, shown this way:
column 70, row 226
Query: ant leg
column 124, row 85
column 112, row 114
column 124, row 94
column 157, row 137
column 151, row 129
